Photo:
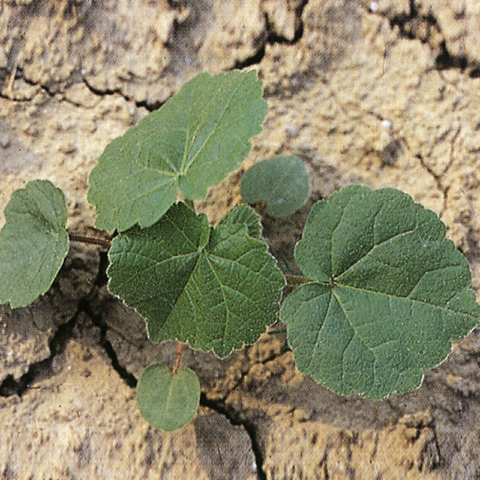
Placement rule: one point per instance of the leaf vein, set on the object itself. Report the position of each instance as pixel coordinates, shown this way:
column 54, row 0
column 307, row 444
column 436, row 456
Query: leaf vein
column 227, row 105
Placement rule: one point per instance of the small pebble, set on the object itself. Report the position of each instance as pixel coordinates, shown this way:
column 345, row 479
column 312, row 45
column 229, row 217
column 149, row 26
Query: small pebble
column 373, row 7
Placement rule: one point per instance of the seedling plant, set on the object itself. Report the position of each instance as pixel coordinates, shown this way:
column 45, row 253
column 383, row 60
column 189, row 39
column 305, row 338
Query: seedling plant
column 383, row 291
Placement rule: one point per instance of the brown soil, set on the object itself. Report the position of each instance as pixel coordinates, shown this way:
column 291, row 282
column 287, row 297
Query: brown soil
column 379, row 93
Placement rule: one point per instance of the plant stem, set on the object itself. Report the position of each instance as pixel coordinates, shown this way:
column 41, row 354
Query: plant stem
column 177, row 358
column 74, row 237
column 296, row 280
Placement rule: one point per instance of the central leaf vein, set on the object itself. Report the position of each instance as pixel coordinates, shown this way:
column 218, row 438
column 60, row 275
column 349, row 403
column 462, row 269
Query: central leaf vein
column 185, row 166
column 174, row 171
column 412, row 300
column 227, row 316
column 363, row 341
column 317, row 336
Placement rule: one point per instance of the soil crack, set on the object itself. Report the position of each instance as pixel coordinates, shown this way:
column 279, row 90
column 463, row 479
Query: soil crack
column 107, row 347
column 44, row 368
column 117, row 91
column 271, row 38
column 248, row 425
column 425, row 27
column 58, row 343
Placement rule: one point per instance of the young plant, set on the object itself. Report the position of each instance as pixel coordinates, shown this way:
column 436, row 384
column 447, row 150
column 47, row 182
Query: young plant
column 384, row 291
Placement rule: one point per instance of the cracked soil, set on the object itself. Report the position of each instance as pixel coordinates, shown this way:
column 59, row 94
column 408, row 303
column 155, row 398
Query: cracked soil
column 383, row 93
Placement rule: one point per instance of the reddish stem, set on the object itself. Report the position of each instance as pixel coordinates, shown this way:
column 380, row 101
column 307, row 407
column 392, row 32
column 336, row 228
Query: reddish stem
column 74, row 237
column 177, row 358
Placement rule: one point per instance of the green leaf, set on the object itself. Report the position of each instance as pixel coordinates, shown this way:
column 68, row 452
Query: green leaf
column 389, row 293
column 33, row 242
column 213, row 288
column 166, row 401
column 282, row 183
column 243, row 214
column 193, row 142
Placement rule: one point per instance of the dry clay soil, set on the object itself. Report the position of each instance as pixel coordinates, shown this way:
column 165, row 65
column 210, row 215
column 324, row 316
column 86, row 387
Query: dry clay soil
column 384, row 94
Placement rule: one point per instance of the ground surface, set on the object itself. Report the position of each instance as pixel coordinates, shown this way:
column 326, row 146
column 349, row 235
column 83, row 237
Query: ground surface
column 380, row 93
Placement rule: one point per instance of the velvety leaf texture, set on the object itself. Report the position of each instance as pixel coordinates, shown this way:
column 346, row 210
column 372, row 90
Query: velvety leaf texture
column 213, row 288
column 33, row 242
column 282, row 183
column 191, row 143
column 168, row 402
column 389, row 293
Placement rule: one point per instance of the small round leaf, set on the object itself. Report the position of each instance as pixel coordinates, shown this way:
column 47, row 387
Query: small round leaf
column 281, row 182
column 33, row 242
column 166, row 401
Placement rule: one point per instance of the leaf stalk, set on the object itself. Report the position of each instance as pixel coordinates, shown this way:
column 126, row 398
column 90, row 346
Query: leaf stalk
column 296, row 280
column 176, row 364
column 75, row 237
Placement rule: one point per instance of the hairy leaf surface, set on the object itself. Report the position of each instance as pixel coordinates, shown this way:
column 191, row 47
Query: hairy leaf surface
column 213, row 288
column 191, row 143
column 282, row 183
column 389, row 293
column 33, row 242
column 166, row 401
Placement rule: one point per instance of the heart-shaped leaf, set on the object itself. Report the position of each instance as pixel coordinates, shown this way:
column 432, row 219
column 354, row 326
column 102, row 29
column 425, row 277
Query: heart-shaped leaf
column 33, row 242
column 213, row 288
column 282, row 183
column 389, row 293
column 166, row 401
column 191, row 143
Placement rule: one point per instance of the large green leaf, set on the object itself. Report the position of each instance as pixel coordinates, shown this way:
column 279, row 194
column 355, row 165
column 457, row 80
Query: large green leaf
column 193, row 142
column 33, row 242
column 168, row 401
column 282, row 183
column 389, row 293
column 213, row 288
